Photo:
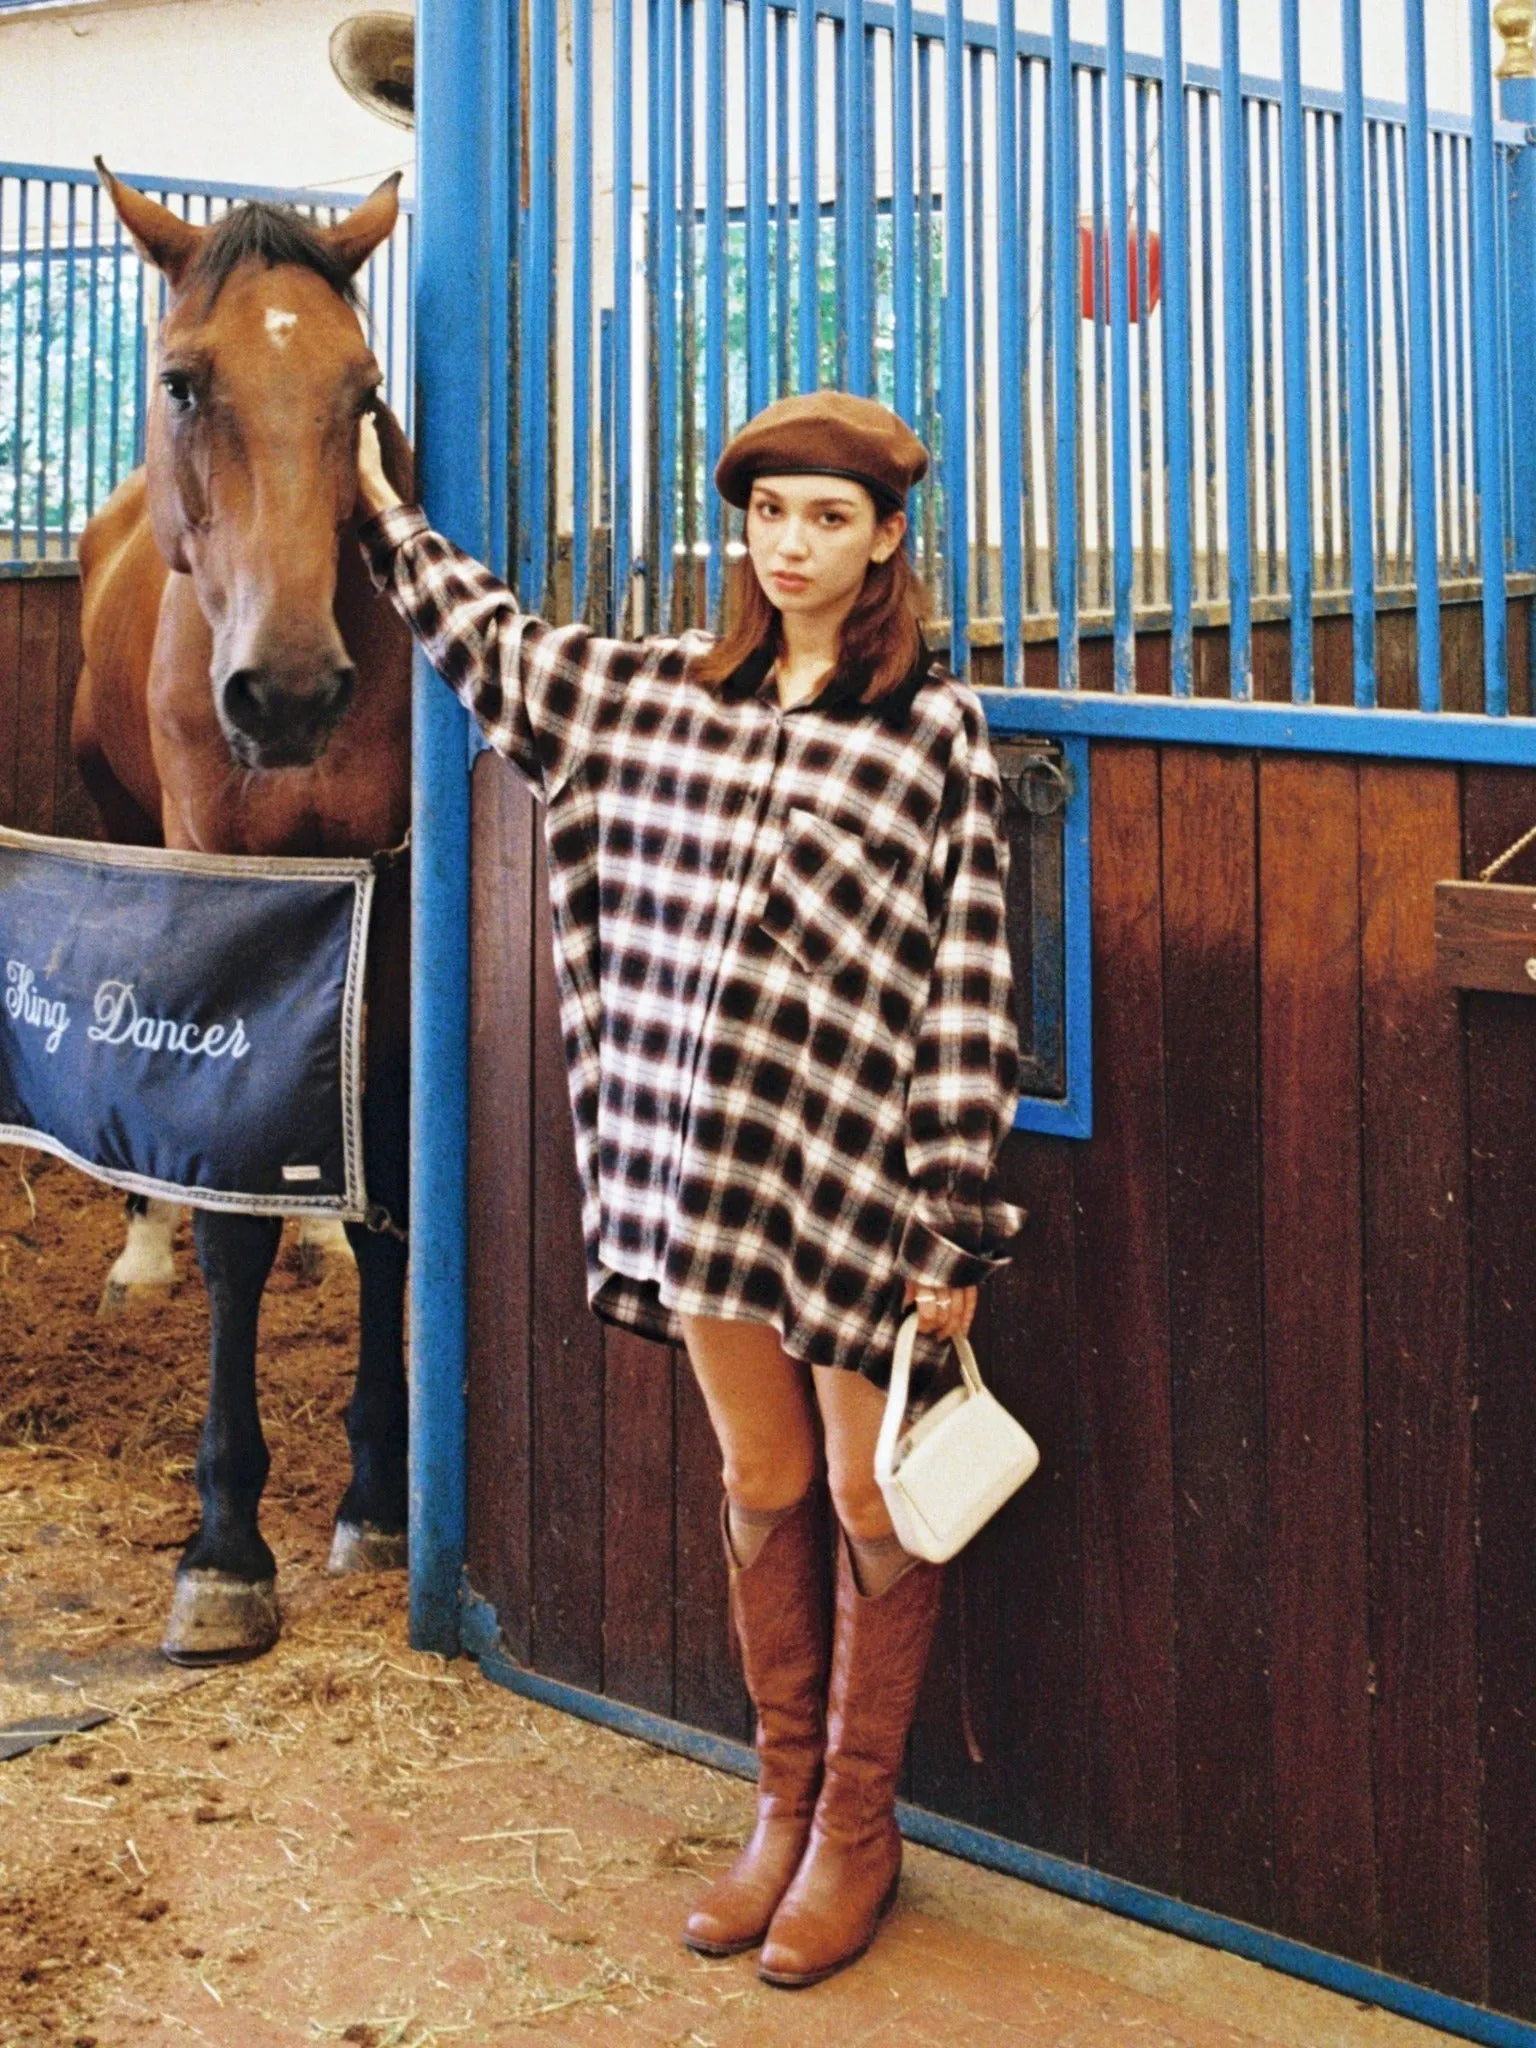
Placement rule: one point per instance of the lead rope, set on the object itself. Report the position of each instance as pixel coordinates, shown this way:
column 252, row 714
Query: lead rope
column 967, row 1726
column 1507, row 856
column 376, row 1218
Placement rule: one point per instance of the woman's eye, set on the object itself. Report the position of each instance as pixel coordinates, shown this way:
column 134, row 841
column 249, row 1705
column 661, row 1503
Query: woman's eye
column 177, row 387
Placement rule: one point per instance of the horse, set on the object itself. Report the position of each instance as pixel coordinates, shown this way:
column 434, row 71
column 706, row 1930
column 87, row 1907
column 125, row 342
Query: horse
column 244, row 690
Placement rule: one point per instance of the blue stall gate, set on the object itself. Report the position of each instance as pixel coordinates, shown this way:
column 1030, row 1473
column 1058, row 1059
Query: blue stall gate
column 77, row 317
column 1031, row 247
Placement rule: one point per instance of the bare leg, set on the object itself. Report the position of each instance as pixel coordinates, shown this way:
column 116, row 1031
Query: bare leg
column 851, row 1411
column 759, row 1403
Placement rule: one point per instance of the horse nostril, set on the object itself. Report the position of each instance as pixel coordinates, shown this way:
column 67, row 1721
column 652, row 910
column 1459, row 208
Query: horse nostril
column 246, row 693
column 343, row 682
column 270, row 707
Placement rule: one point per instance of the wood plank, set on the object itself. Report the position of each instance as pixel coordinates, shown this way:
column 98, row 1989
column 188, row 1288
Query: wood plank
column 1422, row 1543
column 1314, row 1358
column 638, row 1571
column 1122, row 1300
column 1210, row 1010
column 707, row 1686
column 74, row 815
column 567, row 1348
column 1501, row 1061
column 37, row 704
column 500, row 1276
column 1485, row 936
column 10, row 697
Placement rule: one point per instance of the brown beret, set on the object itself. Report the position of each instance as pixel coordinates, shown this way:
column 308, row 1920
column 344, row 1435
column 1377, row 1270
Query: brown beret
column 824, row 433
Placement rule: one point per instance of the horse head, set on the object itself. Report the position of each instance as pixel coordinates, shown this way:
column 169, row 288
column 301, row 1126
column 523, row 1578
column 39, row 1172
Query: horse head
column 262, row 375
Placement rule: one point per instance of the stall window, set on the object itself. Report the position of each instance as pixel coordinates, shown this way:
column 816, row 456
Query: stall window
column 1045, row 785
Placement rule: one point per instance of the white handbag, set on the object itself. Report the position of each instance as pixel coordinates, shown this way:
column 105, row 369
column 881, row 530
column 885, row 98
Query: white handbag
column 957, row 1464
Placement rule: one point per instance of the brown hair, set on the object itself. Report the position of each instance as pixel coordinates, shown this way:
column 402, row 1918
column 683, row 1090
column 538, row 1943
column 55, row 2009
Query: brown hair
column 880, row 640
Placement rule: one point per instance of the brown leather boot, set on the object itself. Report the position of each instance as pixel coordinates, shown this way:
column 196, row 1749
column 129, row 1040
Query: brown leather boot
column 779, row 1606
column 846, row 1882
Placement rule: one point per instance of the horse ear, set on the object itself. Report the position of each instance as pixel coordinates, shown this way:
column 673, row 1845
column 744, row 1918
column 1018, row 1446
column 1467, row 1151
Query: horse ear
column 353, row 240
column 162, row 239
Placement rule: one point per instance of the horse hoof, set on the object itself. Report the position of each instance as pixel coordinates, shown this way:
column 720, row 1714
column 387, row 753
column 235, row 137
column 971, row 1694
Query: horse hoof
column 366, row 1548
column 219, row 1619
column 321, row 1239
column 119, row 1295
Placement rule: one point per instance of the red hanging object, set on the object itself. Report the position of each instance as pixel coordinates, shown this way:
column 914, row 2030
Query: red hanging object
column 1132, row 264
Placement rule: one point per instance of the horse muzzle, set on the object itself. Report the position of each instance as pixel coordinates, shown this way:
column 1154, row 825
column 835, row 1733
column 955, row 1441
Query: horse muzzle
column 279, row 719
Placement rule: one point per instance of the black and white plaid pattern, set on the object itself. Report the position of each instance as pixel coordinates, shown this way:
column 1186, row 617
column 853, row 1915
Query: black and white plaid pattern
column 785, row 986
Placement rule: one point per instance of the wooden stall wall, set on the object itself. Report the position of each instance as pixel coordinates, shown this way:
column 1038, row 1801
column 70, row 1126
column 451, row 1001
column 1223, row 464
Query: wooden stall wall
column 1262, row 1632
column 39, row 667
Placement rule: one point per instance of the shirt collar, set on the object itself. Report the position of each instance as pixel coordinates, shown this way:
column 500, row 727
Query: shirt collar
column 842, row 698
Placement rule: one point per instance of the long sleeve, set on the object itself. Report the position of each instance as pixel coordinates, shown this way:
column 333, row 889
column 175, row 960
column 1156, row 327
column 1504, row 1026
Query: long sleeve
column 963, row 1091
column 539, row 693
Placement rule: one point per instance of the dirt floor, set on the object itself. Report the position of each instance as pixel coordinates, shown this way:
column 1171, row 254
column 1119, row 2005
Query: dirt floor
column 347, row 1841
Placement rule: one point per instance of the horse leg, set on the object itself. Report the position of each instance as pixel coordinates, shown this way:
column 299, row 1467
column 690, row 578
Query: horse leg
column 371, row 1520
column 225, row 1607
column 321, row 1238
column 145, row 1260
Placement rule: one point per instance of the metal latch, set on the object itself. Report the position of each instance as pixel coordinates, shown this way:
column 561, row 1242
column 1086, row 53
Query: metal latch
column 1035, row 774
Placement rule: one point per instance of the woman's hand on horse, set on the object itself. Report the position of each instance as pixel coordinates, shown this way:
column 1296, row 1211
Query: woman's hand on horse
column 375, row 492
column 941, row 1311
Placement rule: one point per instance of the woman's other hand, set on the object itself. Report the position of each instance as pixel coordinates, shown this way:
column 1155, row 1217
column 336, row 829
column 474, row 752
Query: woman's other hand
column 941, row 1311
column 375, row 492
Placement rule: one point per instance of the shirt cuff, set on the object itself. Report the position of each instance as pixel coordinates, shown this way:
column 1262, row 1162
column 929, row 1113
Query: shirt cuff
column 929, row 1256
column 383, row 536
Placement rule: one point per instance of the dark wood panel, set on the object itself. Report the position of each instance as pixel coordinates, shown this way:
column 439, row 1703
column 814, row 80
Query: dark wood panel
column 37, row 705
column 638, row 1571
column 1122, row 1316
column 1314, row 1360
column 707, row 1687
column 1501, row 1056
column 74, row 815
column 567, row 1361
column 1422, row 1535
column 1210, row 969
column 500, row 1277
column 10, row 696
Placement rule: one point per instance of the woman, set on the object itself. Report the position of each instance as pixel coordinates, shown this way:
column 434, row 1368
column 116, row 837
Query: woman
column 777, row 875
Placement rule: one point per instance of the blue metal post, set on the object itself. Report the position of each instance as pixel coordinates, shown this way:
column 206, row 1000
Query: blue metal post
column 903, row 243
column 759, row 277
column 1421, row 402
column 581, row 311
column 462, row 113
column 1488, row 384
column 1063, row 320
column 1176, row 351
column 537, row 274
column 1298, row 425
column 1012, row 311
column 957, row 481
column 1235, row 289
column 622, row 566
column 714, row 294
column 1120, row 353
column 860, row 326
column 808, row 330
column 1357, row 366
column 663, row 171
column 1518, row 103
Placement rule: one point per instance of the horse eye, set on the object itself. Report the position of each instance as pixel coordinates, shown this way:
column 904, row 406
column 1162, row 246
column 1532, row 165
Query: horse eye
column 177, row 386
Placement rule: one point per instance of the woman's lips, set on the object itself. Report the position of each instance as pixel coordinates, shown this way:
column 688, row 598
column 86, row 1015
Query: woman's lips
column 790, row 582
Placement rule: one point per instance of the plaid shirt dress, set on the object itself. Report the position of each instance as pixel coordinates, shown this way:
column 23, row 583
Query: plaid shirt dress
column 785, row 986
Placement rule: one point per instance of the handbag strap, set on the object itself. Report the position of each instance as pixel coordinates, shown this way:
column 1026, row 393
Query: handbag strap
column 901, row 1380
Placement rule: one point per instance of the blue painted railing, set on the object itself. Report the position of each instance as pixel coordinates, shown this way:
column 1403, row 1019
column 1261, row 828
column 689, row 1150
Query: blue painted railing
column 77, row 314
column 1024, row 243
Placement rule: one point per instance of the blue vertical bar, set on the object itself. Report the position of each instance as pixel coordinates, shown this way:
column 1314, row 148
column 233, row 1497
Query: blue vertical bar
column 715, row 250
column 1298, row 426
column 67, row 510
column 581, row 310
column 622, row 565
column 1176, row 350
column 808, row 332
column 1012, row 312
column 92, row 343
column 783, row 357
column 535, row 435
column 1357, row 367
column 1098, row 246
column 953, row 403
column 1239, row 372
column 1523, row 511
column 1063, row 322
column 44, row 353
column 688, row 329
column 857, row 242
column 1518, row 104
column 462, row 264
column 1421, row 403
column 1120, row 353
column 664, row 290
column 981, row 325
column 1487, row 387
column 1447, row 532
column 903, row 253
column 759, row 277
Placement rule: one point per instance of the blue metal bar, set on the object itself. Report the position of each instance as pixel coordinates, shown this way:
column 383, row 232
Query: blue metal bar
column 1446, row 530
column 1026, row 91
column 1357, row 401
column 869, row 203
column 462, row 106
column 857, row 228
column 1144, row 346
column 1239, row 372
column 783, row 356
column 114, row 466
column 714, row 292
column 809, row 330
column 759, row 276
column 1209, row 462
column 1176, row 351
column 1267, row 328
column 1421, row 413
column 956, row 428
column 1062, row 323
column 903, row 253
column 1120, row 354
column 67, row 508
column 1324, row 349
column 925, row 323
column 535, row 440
column 688, row 331
column 841, row 202
column 1098, row 266
column 44, row 353
column 981, row 542
column 1525, row 511
column 622, row 563
column 1488, row 385
column 1400, row 356
column 1518, row 105
column 1298, row 445
column 92, row 343
column 1012, row 315
column 664, row 294
column 581, row 311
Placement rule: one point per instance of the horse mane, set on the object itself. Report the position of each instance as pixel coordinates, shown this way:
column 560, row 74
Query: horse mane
column 258, row 232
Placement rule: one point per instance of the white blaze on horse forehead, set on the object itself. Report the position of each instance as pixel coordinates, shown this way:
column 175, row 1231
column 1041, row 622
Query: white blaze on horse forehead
column 280, row 324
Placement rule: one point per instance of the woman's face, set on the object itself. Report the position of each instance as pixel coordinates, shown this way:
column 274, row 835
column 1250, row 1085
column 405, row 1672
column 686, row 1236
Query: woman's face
column 811, row 538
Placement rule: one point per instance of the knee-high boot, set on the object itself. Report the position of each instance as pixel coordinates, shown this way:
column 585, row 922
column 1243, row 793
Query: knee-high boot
column 847, row 1878
column 779, row 1607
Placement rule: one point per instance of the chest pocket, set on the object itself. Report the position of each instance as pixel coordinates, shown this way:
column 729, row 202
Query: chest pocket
column 831, row 895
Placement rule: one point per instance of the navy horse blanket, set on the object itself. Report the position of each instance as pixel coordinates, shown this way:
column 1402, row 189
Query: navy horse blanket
column 187, row 1025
